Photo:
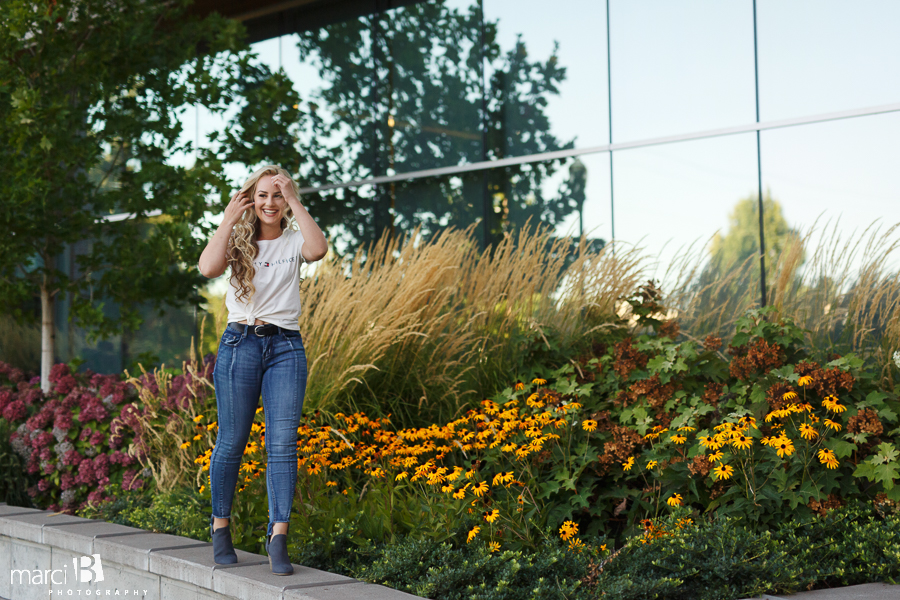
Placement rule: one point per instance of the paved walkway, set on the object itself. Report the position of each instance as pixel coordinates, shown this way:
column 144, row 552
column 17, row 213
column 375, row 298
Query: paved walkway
column 868, row 591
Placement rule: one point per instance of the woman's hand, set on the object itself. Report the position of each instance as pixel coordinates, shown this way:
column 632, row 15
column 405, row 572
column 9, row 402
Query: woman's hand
column 285, row 186
column 239, row 203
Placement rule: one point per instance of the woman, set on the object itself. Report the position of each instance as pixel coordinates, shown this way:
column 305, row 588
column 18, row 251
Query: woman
column 261, row 350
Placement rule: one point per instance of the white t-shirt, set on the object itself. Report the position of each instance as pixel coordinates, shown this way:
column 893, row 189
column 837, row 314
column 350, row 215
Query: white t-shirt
column 277, row 282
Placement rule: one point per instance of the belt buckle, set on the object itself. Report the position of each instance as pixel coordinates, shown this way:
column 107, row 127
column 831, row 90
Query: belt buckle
column 256, row 330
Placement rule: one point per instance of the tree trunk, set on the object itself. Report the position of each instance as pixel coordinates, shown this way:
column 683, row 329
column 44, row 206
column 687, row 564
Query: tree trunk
column 48, row 336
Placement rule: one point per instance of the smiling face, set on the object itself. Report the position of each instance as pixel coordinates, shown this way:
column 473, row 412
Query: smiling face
column 268, row 202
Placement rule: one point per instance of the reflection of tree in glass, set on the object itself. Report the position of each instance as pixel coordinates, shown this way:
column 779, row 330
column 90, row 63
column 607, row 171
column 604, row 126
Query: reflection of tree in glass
column 742, row 239
column 729, row 284
column 404, row 91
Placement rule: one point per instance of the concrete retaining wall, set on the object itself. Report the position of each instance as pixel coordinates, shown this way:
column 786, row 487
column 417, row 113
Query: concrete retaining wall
column 49, row 555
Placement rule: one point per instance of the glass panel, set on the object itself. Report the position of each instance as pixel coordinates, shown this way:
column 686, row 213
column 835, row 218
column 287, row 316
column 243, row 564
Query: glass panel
column 430, row 85
column 692, row 210
column 679, row 67
column 546, row 76
column 833, row 181
column 818, row 56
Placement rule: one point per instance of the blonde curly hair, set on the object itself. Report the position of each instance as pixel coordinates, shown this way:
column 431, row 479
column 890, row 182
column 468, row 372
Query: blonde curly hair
column 242, row 246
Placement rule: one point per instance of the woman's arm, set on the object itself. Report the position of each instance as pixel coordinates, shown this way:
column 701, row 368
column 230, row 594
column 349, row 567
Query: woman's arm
column 214, row 261
column 315, row 246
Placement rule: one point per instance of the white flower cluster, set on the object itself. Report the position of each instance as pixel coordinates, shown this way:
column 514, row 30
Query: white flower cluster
column 63, row 447
column 67, row 497
column 91, row 451
column 897, row 358
column 19, row 445
column 60, row 434
column 108, row 401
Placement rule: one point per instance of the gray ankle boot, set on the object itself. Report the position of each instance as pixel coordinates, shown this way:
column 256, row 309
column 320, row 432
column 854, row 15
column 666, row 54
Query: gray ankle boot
column 223, row 550
column 276, row 548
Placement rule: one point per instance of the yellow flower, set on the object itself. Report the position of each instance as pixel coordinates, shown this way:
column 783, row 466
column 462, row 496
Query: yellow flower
column 491, row 515
column 783, row 446
column 539, row 381
column 460, row 494
column 400, row 476
column 185, row 445
column 710, row 443
column 259, row 410
column 494, row 546
column 832, row 424
column 716, row 456
column 589, row 424
column 198, row 437
column 480, row 489
column 503, row 477
column 805, row 380
column 678, row 439
column 675, row 500
column 212, row 426
column 651, row 464
column 807, row 431
column 473, row 533
column 202, row 487
column 628, row 464
column 568, row 529
column 686, row 428
column 789, row 396
column 520, row 386
column 742, row 442
column 331, row 483
column 723, row 471
column 827, row 458
column 198, row 418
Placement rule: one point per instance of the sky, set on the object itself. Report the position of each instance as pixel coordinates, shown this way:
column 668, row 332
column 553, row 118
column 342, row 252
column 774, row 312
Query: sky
column 680, row 66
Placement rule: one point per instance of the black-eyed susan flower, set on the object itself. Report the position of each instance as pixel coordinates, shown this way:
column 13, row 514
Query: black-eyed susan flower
column 783, row 446
column 723, row 471
column 185, row 445
column 709, row 442
column 808, row 432
column 568, row 529
column 519, row 386
column 651, row 464
column 678, row 439
column 832, row 424
column 503, row 477
column 805, row 380
column 686, row 428
column 401, row 475
column 716, row 456
column 494, row 546
column 331, row 483
column 589, row 425
column 674, row 500
column 626, row 466
column 491, row 515
column 474, row 531
column 539, row 381
column 198, row 418
column 480, row 489
column 741, row 441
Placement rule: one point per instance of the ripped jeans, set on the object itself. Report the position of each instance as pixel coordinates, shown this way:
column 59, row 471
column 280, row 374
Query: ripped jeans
column 247, row 365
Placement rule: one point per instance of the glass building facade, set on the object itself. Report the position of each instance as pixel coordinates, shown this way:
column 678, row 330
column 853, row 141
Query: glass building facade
column 653, row 122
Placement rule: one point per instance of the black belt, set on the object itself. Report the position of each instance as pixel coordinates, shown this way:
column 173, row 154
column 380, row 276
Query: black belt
column 260, row 330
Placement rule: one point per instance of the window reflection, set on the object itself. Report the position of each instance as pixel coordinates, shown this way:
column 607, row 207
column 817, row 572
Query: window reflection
column 679, row 67
column 819, row 56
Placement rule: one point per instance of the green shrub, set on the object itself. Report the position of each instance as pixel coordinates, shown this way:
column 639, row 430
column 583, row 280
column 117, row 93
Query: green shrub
column 179, row 512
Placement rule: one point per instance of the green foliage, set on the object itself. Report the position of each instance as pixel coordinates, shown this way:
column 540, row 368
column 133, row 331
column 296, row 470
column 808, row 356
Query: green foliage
column 15, row 482
column 89, row 120
column 456, row 569
column 179, row 512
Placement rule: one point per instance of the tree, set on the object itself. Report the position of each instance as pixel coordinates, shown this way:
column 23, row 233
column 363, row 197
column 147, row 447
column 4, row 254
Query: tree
column 94, row 86
column 419, row 87
column 742, row 239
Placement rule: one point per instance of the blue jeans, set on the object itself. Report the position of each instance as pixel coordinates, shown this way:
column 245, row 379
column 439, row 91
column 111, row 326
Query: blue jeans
column 246, row 365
